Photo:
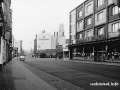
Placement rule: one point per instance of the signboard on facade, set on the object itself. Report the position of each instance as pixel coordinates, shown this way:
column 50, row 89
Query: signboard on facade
column 43, row 41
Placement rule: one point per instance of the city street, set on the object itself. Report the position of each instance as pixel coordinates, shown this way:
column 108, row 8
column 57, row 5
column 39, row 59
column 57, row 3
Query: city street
column 89, row 76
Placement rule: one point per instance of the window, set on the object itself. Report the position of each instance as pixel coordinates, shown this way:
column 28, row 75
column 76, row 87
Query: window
column 73, row 37
column 88, row 33
column 101, row 31
column 89, row 21
column 80, row 13
column 88, row 8
column 62, row 33
column 100, row 2
column 100, row 16
column 115, row 10
column 115, row 27
column 80, row 36
column 80, row 25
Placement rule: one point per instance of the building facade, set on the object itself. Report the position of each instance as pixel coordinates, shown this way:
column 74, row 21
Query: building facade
column 50, row 45
column 45, row 45
column 5, row 32
column 17, row 48
column 97, row 31
column 43, row 41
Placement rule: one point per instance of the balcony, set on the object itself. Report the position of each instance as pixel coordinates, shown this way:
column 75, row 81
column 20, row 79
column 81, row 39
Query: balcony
column 114, row 34
column 80, row 41
column 99, row 37
column 88, row 39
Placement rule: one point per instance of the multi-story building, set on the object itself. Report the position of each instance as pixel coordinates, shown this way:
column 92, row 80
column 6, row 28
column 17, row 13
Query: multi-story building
column 65, row 49
column 44, row 44
column 97, row 30
column 17, row 47
column 5, row 31
column 49, row 44
column 72, row 26
column 43, row 41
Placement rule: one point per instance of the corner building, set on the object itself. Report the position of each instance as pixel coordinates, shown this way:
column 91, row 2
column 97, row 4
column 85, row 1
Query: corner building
column 96, row 31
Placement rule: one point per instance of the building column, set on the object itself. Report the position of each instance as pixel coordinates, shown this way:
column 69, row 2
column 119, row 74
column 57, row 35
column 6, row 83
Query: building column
column 63, row 55
column 71, row 53
column 106, row 54
column 93, row 54
column 83, row 54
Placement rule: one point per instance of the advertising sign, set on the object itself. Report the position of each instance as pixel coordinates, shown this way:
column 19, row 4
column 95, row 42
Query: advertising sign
column 43, row 41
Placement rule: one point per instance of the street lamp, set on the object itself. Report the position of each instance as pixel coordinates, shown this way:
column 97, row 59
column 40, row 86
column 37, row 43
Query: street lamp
column 116, row 2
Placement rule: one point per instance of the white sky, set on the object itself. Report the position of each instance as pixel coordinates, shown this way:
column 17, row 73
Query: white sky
column 30, row 17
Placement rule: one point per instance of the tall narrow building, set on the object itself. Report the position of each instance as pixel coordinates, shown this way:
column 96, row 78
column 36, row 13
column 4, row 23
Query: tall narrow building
column 61, row 30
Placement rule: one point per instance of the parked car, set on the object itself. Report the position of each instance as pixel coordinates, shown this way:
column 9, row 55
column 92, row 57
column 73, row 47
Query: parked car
column 22, row 58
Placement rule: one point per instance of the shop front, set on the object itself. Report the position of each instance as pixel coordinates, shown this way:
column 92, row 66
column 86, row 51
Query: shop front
column 101, row 50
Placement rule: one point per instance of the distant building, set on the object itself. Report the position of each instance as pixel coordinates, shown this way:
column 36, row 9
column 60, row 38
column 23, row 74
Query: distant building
column 17, row 47
column 44, row 44
column 61, row 30
column 17, row 44
column 65, row 49
column 43, row 41
column 50, row 44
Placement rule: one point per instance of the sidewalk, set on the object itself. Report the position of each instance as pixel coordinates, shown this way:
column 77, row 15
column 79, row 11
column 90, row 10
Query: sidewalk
column 25, row 79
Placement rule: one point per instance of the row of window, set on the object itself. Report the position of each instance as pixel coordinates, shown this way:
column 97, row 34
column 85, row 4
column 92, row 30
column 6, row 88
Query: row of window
column 100, row 16
column 89, row 7
column 101, row 30
column 115, row 10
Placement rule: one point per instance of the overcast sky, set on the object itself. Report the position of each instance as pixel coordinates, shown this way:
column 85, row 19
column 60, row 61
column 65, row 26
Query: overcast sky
column 30, row 17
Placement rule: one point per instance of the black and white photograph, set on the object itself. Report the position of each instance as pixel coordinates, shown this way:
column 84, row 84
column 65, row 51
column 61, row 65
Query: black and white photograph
column 59, row 44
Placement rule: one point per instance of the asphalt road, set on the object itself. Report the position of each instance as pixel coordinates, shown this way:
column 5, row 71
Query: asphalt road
column 89, row 76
